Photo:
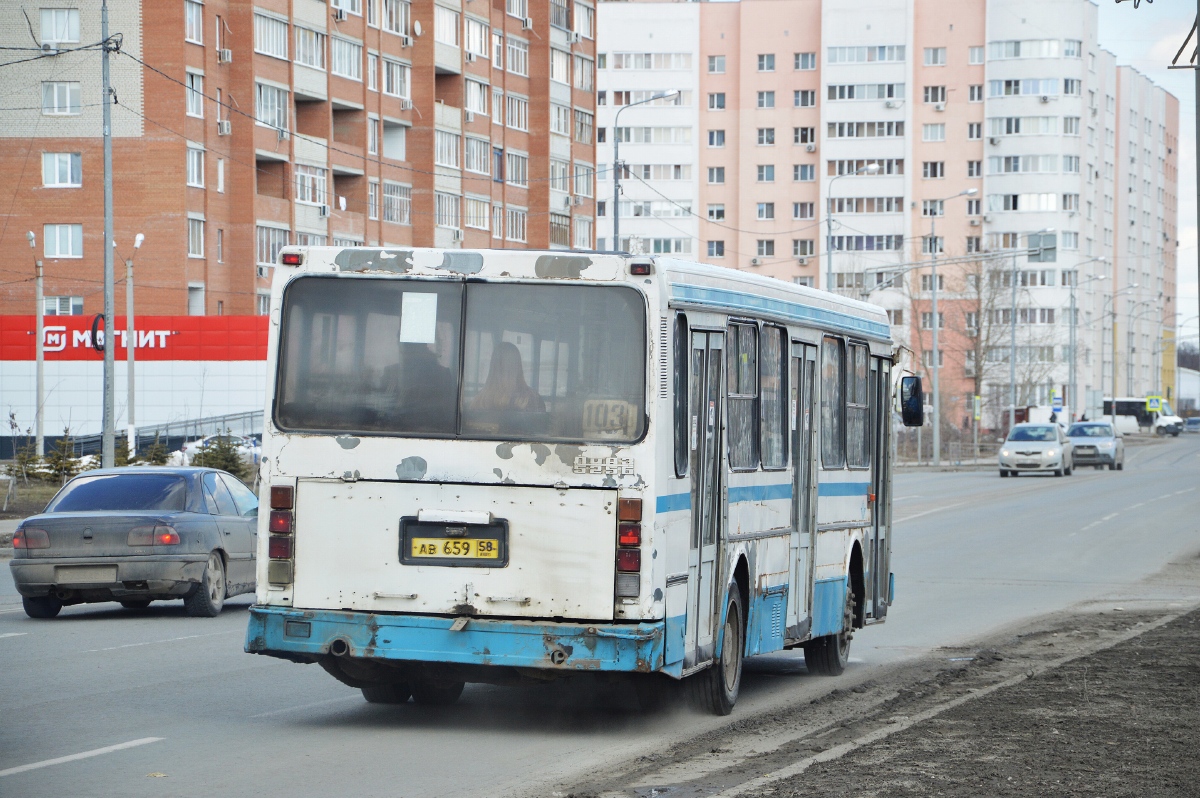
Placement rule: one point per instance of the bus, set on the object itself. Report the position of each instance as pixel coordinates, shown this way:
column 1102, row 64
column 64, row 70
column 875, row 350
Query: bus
column 508, row 467
column 1132, row 416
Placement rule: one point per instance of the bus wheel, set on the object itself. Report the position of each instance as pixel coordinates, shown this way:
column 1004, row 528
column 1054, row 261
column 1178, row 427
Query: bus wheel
column 715, row 690
column 829, row 655
column 436, row 694
column 387, row 693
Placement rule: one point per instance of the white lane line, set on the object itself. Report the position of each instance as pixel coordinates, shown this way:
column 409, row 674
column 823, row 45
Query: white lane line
column 1108, row 517
column 1135, row 506
column 84, row 755
column 18, row 609
column 906, row 498
column 927, row 512
column 306, row 706
column 168, row 640
column 13, row 634
column 1188, row 490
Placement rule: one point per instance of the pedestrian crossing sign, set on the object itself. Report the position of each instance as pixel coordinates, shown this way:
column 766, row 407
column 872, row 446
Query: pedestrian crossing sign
column 1154, row 404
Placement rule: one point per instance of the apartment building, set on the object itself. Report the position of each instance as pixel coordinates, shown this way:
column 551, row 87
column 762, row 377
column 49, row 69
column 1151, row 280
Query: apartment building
column 848, row 145
column 242, row 127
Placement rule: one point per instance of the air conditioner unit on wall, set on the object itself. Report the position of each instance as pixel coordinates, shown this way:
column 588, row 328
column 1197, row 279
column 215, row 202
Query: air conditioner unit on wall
column 810, row 147
column 1045, row 98
column 224, row 127
column 224, row 56
column 470, row 57
column 458, row 235
column 994, row 140
column 260, row 271
column 575, row 37
column 323, row 211
column 339, row 15
column 579, row 200
column 282, row 133
column 939, row 106
column 756, row 261
column 566, row 202
column 406, row 105
column 527, row 23
column 469, row 116
column 406, row 41
column 975, row 222
column 891, row 104
column 801, row 261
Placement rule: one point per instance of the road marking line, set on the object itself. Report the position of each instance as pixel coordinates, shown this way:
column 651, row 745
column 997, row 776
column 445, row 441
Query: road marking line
column 168, row 640
column 1135, row 506
column 18, row 609
column 13, row 634
column 305, row 706
column 1110, row 516
column 84, row 755
column 927, row 512
column 1189, row 490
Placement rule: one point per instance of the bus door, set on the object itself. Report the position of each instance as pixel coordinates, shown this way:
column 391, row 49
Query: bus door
column 707, row 381
column 803, row 423
column 879, row 395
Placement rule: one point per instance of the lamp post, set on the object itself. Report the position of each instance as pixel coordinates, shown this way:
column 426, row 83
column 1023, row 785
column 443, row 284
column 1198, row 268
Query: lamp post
column 937, row 397
column 871, row 168
column 1129, row 346
column 617, row 163
column 130, row 345
column 1111, row 300
column 1012, row 356
column 1074, row 324
column 40, row 348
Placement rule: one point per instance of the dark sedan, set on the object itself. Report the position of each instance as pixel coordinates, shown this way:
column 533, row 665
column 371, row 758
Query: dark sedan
column 137, row 535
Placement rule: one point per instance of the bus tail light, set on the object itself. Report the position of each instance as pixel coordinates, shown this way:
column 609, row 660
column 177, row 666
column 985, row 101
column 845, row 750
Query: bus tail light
column 280, row 522
column 629, row 560
column 629, row 534
column 279, row 547
column 282, row 497
column 31, row 537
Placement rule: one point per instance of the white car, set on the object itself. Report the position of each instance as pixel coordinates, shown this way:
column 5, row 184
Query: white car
column 1037, row 448
column 1167, row 423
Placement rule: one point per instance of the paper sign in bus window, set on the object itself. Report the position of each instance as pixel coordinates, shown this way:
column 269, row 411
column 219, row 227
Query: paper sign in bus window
column 418, row 318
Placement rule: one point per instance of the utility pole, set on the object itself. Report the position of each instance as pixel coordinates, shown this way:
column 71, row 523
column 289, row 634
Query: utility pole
column 616, row 139
column 130, row 345
column 107, row 453
column 39, row 347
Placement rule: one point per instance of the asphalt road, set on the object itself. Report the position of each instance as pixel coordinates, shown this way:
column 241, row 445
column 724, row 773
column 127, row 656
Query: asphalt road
column 103, row 701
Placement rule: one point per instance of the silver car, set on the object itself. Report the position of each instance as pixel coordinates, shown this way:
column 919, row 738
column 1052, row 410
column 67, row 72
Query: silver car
column 1098, row 444
column 1037, row 448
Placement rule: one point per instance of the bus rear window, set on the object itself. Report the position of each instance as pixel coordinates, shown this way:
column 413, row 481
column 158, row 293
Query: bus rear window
column 423, row 358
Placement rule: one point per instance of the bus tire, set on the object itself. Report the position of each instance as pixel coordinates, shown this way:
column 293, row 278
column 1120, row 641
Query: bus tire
column 715, row 689
column 436, row 694
column 829, row 655
column 386, row 693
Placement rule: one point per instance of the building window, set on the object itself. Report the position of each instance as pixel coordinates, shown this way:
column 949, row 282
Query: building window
column 310, row 185
column 766, row 62
column 716, row 175
column 517, row 8
column 766, row 136
column 804, row 61
column 804, row 172
column 766, row 173
column 975, row 55
column 803, row 210
column 933, row 169
column 445, row 149
column 932, row 207
column 446, row 210
column 716, row 212
column 935, row 56
column 584, row 179
column 974, row 168
column 764, row 247
column 585, row 21
column 583, row 231
column 477, row 156
column 802, row 247
column 515, row 224
column 62, row 306
column 195, row 238
column 716, row 65
column 1070, row 126
column 269, row 241
column 62, row 169
column 396, row 77
column 975, row 93
column 560, row 119
column 193, row 21
column 373, row 199
column 477, row 213
column 560, row 66
column 345, row 58
column 60, row 98
column 195, row 167
column 271, row 107
column 498, row 221
column 516, row 112
column 262, row 305
column 62, row 240
column 310, row 48
column 518, row 57
column 716, row 101
column 60, row 26
column 974, row 130
column 974, row 244
column 585, row 73
column 935, row 94
column 270, row 36
column 804, row 98
column 804, row 135
column 583, row 126
column 396, row 15
column 517, row 171
column 766, row 99
column 933, row 132
column 766, row 211
column 716, row 249
column 476, row 37
column 974, row 207
column 372, row 136
column 397, row 203
column 716, row 138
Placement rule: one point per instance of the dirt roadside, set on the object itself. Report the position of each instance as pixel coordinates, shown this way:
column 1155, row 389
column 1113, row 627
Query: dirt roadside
column 1099, row 701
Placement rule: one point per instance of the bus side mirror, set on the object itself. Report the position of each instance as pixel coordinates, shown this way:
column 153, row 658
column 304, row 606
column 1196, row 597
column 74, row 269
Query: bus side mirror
column 912, row 408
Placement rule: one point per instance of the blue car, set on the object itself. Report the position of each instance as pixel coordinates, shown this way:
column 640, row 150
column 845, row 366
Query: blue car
column 137, row 535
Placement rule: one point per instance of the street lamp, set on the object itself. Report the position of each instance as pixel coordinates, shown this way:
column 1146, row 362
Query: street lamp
column 1012, row 356
column 130, row 344
column 1111, row 299
column 616, row 134
column 1129, row 332
column 40, row 347
column 937, row 415
column 871, row 168
column 1074, row 323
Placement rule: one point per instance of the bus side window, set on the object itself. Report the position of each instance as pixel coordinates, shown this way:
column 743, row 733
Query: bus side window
column 858, row 438
column 680, row 396
column 742, row 396
column 773, row 419
column 833, row 409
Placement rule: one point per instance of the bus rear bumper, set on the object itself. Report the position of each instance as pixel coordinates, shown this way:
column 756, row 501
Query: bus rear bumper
column 311, row 635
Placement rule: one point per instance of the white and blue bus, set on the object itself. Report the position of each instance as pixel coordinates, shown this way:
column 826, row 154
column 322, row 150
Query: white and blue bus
column 508, row 466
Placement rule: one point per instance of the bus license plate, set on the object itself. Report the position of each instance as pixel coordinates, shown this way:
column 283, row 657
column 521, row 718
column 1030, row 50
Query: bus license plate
column 459, row 548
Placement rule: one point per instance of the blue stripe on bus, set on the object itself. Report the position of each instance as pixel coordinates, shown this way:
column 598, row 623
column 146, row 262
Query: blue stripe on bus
column 843, row 488
column 760, row 493
column 725, row 299
column 673, row 503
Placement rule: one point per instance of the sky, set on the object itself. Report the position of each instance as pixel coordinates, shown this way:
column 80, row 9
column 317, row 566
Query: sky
column 1147, row 38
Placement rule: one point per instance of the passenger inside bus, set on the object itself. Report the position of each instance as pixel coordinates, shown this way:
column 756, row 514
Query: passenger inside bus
column 424, row 389
column 505, row 387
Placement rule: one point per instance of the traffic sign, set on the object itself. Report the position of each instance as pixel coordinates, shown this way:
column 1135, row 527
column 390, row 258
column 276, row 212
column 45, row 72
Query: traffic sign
column 1056, row 401
column 978, row 408
column 1154, row 404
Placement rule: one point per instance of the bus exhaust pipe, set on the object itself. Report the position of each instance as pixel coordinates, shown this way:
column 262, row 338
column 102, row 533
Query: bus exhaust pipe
column 339, row 647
